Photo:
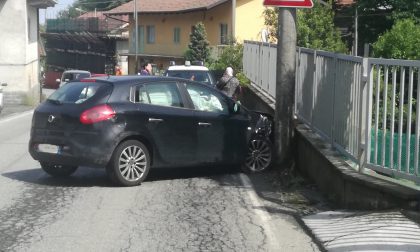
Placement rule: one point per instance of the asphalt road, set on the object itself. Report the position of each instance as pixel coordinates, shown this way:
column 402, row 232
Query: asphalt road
column 182, row 209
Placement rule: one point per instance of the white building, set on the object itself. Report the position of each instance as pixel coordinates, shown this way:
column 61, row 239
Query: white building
column 19, row 60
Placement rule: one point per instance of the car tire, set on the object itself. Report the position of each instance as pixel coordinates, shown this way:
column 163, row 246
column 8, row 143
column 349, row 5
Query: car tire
column 56, row 170
column 259, row 155
column 130, row 163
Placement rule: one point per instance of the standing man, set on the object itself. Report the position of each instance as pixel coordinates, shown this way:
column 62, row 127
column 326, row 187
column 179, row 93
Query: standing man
column 146, row 69
column 265, row 34
column 228, row 84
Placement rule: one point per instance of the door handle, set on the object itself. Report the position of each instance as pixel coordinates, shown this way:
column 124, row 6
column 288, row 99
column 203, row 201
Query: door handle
column 204, row 124
column 155, row 120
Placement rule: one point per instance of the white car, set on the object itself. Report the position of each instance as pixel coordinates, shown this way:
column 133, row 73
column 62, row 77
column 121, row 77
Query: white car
column 71, row 75
column 198, row 73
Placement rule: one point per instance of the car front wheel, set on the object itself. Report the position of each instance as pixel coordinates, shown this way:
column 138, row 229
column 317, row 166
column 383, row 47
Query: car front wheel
column 130, row 163
column 56, row 170
column 259, row 155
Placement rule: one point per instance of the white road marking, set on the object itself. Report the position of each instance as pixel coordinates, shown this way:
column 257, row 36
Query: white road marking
column 258, row 208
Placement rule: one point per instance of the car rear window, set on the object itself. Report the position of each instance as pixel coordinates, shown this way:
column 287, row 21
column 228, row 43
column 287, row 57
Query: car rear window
column 77, row 92
column 200, row 76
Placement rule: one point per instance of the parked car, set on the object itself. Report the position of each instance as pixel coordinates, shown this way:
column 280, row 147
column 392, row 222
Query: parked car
column 131, row 124
column 72, row 75
column 197, row 72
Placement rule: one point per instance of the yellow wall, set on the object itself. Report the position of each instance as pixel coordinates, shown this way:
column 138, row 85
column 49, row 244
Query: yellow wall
column 249, row 20
column 165, row 24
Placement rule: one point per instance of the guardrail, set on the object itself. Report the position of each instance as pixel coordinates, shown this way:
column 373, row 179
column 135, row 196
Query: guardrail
column 366, row 108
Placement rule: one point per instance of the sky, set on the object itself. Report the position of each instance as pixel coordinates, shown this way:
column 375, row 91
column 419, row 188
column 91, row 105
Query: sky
column 51, row 12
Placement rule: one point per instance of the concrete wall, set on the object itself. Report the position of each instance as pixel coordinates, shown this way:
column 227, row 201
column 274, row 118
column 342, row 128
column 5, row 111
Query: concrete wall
column 19, row 51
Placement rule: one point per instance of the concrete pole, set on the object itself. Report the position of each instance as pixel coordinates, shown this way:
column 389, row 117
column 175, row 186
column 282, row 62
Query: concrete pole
column 285, row 85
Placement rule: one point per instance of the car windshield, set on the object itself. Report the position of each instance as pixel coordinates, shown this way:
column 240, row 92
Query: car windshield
column 200, row 76
column 77, row 92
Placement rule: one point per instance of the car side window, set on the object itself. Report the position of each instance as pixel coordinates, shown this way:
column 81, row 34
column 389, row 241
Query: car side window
column 161, row 94
column 205, row 99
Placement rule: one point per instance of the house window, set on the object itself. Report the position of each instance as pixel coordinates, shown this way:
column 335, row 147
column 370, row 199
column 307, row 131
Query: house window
column 177, row 35
column 151, row 34
column 223, row 34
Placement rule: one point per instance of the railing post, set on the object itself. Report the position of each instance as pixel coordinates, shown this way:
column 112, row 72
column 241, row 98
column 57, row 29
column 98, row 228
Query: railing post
column 333, row 100
column 366, row 91
column 314, row 87
column 297, row 79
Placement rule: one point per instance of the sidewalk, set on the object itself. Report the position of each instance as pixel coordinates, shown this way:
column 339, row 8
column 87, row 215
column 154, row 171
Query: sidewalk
column 341, row 231
column 10, row 109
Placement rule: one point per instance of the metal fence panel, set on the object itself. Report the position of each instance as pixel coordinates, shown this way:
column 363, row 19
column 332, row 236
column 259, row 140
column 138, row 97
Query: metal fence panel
column 305, row 87
column 367, row 108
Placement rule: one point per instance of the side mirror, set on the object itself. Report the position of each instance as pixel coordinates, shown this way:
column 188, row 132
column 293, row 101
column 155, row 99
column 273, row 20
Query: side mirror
column 57, row 80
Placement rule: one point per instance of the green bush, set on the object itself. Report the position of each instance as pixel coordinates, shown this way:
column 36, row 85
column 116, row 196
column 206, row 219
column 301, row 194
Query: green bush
column 315, row 28
column 231, row 56
column 401, row 42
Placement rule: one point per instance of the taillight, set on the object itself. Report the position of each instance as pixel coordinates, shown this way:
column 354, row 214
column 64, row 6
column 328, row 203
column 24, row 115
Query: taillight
column 88, row 80
column 97, row 114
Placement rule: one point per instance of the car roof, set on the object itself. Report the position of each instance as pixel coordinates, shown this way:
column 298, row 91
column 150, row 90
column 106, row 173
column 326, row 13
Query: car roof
column 187, row 68
column 76, row 71
column 132, row 78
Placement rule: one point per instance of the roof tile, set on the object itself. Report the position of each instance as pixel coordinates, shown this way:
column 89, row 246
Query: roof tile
column 165, row 6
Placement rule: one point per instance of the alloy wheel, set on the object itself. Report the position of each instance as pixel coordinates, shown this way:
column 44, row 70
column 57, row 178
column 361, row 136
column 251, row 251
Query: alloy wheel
column 259, row 155
column 132, row 163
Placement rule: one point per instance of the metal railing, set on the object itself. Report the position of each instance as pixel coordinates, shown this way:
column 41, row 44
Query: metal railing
column 392, row 118
column 259, row 65
column 366, row 108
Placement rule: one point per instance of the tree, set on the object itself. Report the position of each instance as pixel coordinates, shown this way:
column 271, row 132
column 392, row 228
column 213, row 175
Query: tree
column 73, row 10
column 315, row 28
column 198, row 48
column 401, row 42
column 231, row 56
column 378, row 16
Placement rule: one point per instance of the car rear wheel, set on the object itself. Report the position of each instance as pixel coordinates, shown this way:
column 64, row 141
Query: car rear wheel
column 56, row 170
column 259, row 156
column 130, row 163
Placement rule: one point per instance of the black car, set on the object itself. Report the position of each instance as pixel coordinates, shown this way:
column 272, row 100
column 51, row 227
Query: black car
column 130, row 124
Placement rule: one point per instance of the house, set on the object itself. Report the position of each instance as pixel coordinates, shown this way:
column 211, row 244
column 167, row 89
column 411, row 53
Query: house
column 118, row 29
column 19, row 59
column 164, row 26
column 89, row 42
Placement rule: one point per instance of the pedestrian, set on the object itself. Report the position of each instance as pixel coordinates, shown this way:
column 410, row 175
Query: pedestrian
column 265, row 34
column 229, row 84
column 146, row 69
column 118, row 71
